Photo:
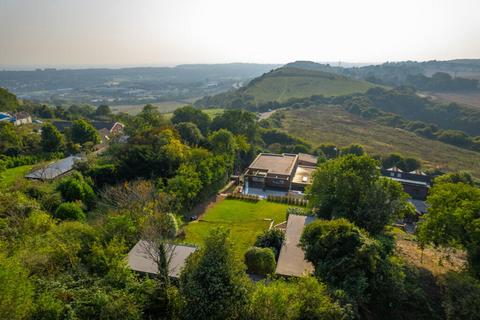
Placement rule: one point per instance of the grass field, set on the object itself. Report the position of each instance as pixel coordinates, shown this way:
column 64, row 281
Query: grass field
column 469, row 99
column 286, row 83
column 332, row 124
column 246, row 220
column 435, row 260
column 9, row 176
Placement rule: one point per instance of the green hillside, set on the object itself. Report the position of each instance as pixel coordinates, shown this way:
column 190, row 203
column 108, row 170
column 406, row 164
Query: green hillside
column 333, row 124
column 285, row 83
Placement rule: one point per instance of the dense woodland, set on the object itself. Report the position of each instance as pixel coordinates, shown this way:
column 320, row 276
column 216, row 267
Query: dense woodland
column 63, row 243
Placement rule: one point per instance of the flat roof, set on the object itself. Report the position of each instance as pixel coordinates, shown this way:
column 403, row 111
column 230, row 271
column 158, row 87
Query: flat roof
column 55, row 169
column 308, row 158
column 282, row 164
column 303, row 175
column 291, row 261
column 140, row 260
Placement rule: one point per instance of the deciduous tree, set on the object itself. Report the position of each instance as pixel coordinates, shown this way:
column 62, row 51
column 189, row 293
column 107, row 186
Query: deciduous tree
column 213, row 282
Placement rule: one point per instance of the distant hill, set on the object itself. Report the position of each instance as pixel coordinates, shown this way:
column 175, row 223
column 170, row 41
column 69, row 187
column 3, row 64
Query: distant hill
column 406, row 72
column 286, row 83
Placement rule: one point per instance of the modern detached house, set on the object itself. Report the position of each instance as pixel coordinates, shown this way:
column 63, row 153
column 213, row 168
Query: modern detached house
column 280, row 173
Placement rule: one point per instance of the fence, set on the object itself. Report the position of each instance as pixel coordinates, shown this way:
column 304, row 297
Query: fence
column 288, row 200
column 245, row 197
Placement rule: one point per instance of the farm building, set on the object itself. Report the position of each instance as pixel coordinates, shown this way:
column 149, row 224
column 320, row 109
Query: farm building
column 142, row 258
column 279, row 172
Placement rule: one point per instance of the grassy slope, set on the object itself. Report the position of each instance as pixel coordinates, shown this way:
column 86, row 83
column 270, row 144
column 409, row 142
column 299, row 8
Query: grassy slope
column 469, row 99
column 285, row 83
column 10, row 176
column 246, row 220
column 332, row 124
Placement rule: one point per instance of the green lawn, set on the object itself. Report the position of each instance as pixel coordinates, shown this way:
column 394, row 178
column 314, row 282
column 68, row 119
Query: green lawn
column 286, row 83
column 283, row 89
column 246, row 220
column 10, row 176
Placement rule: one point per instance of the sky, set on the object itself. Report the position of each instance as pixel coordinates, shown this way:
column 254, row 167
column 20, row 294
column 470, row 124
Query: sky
column 38, row 33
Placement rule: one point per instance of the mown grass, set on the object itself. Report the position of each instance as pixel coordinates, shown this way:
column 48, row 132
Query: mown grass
column 295, row 83
column 10, row 176
column 245, row 220
column 332, row 124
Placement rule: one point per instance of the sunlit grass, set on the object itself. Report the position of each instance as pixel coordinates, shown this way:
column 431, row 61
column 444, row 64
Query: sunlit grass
column 245, row 220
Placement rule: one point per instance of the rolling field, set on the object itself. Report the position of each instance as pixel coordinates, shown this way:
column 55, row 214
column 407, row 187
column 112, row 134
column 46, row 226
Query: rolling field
column 332, row 124
column 245, row 220
column 286, row 83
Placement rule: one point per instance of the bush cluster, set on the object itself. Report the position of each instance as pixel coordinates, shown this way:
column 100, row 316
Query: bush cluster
column 272, row 238
column 260, row 261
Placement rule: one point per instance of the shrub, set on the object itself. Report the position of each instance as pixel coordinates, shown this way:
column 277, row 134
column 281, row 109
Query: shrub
column 272, row 239
column 462, row 294
column 102, row 174
column 75, row 188
column 69, row 211
column 297, row 211
column 260, row 260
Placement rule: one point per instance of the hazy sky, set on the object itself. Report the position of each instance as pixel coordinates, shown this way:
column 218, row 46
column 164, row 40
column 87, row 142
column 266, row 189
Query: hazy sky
column 168, row 32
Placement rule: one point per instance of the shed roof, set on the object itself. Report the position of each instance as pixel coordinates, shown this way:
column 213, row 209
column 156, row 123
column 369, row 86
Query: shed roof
column 140, row 260
column 291, row 261
column 55, row 169
column 282, row 164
